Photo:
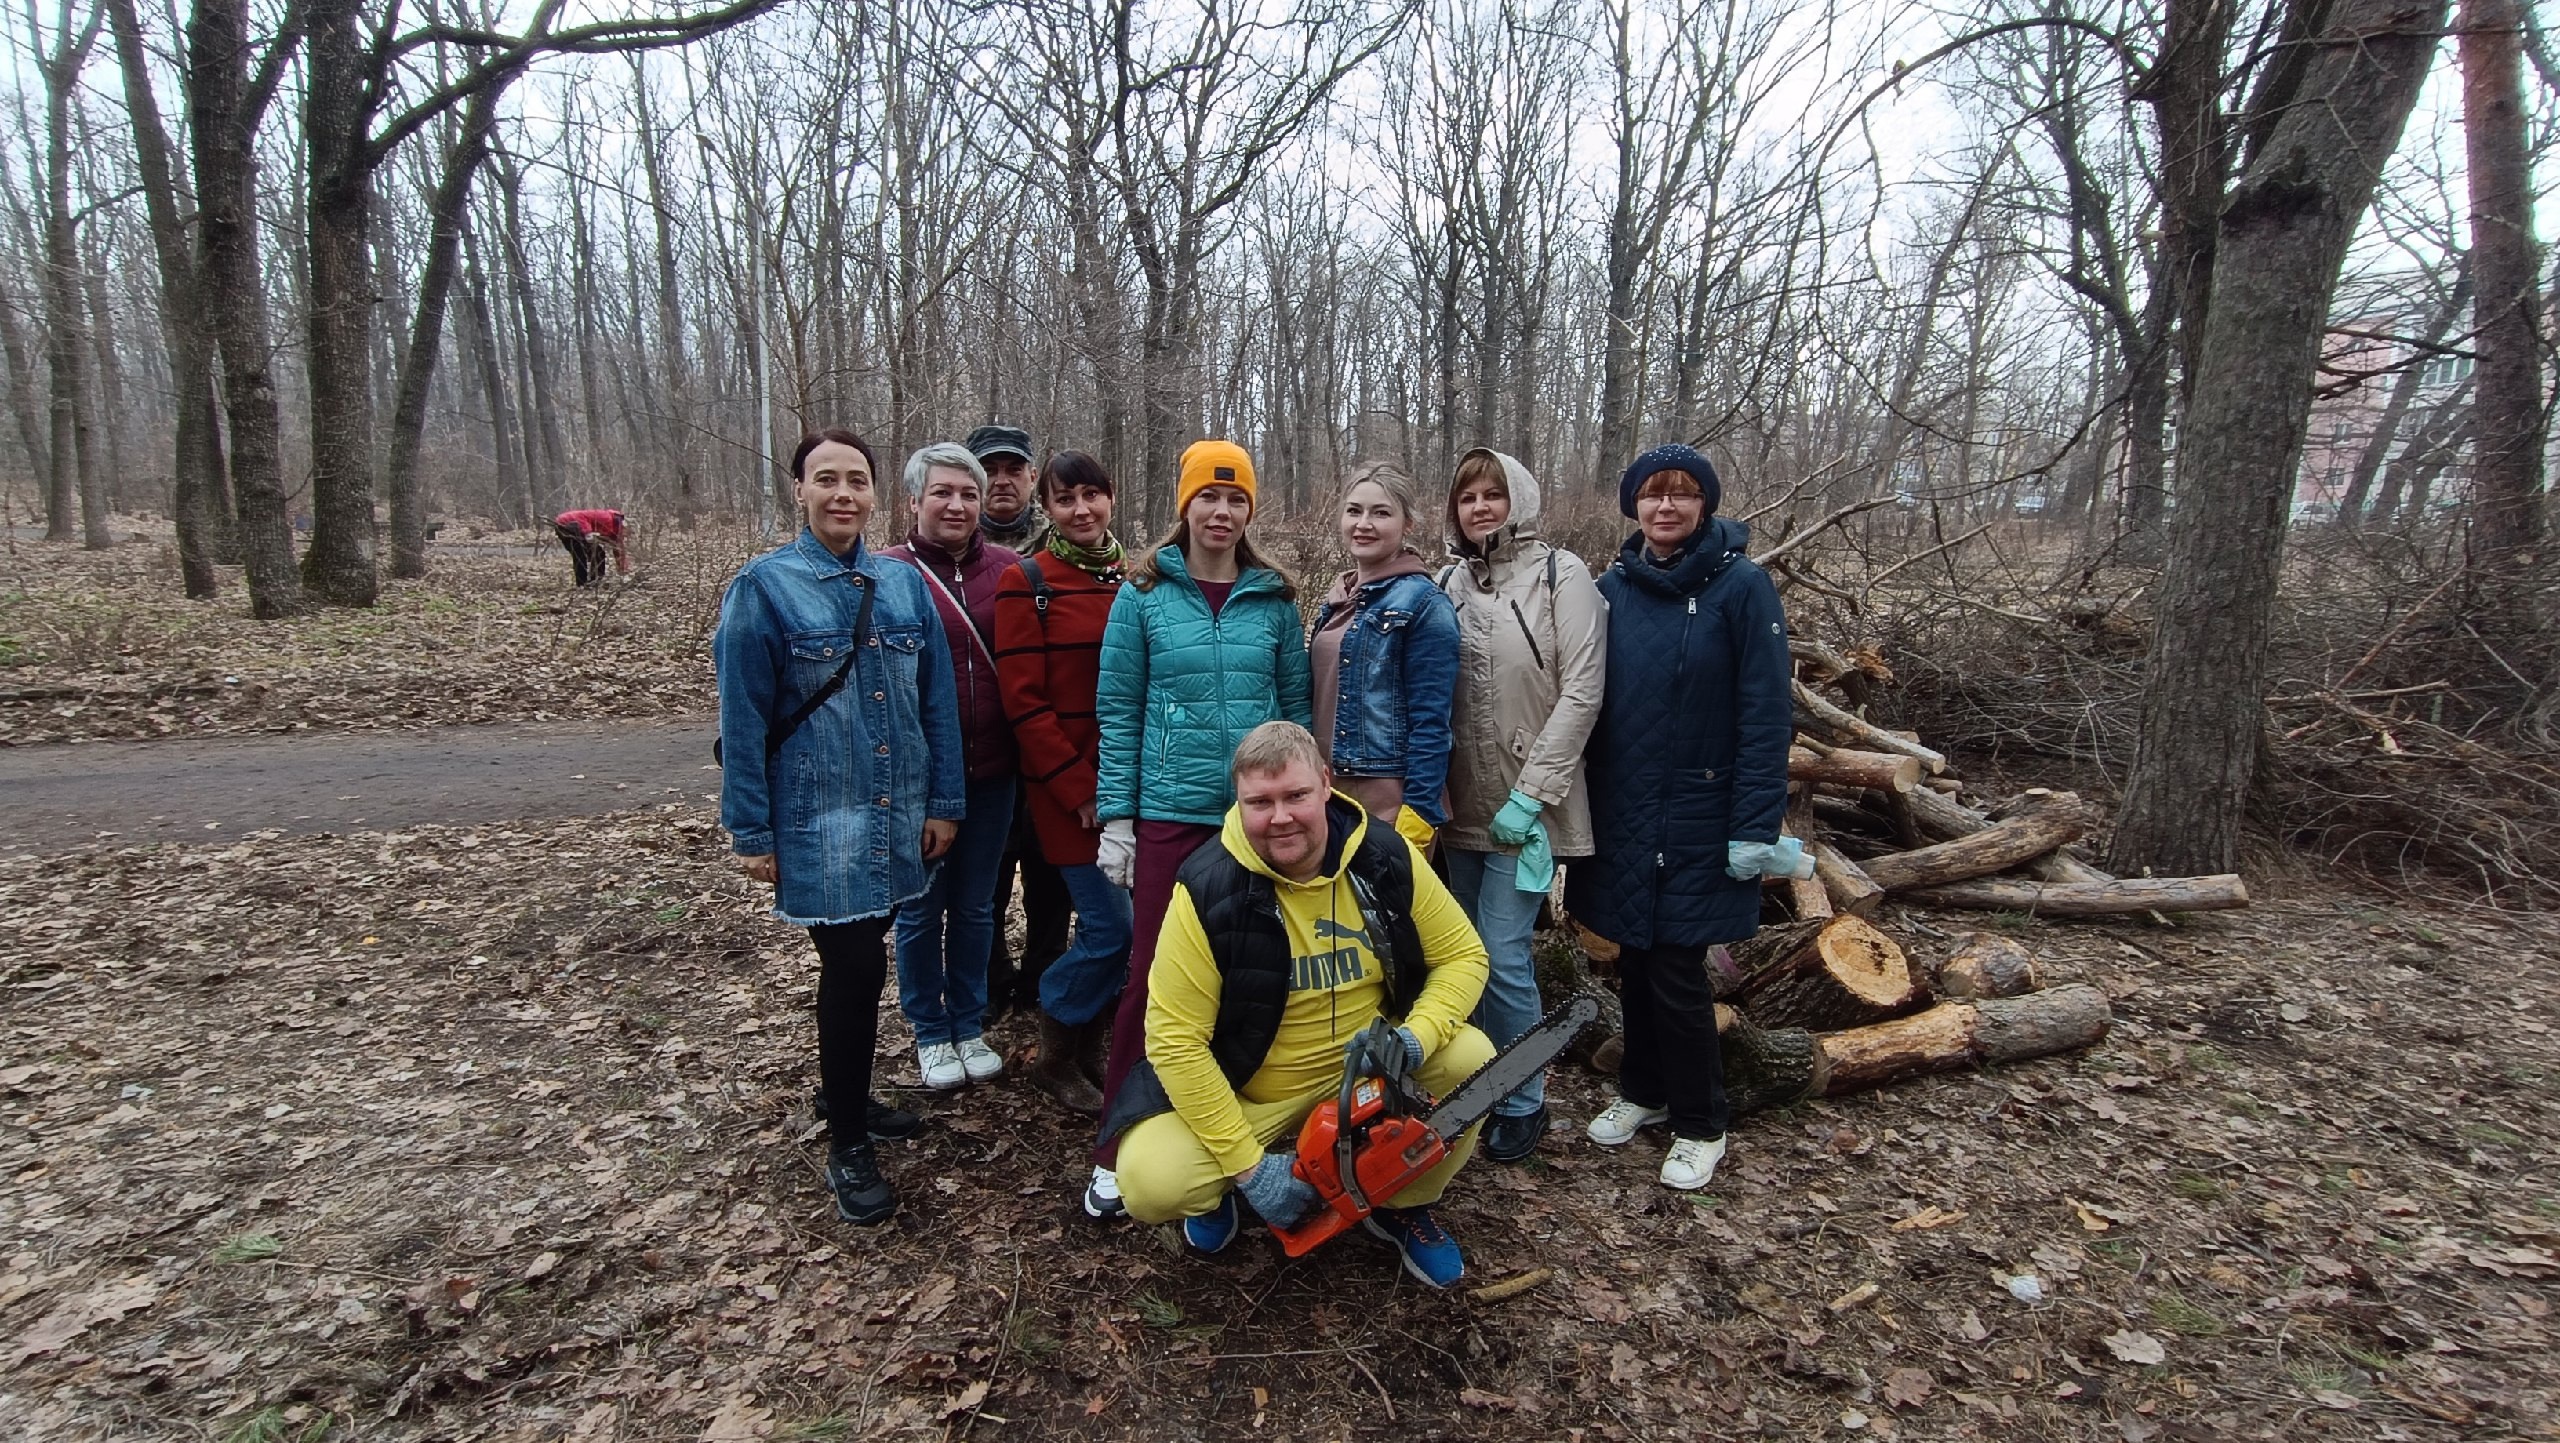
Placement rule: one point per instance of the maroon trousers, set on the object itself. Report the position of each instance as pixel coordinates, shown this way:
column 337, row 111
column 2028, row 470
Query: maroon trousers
column 1162, row 849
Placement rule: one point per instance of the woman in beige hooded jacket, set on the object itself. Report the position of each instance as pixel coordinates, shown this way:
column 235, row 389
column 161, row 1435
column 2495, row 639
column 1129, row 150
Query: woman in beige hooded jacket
column 1532, row 639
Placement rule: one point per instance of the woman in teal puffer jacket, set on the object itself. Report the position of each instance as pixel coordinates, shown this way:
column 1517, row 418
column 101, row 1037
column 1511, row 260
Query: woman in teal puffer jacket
column 1204, row 644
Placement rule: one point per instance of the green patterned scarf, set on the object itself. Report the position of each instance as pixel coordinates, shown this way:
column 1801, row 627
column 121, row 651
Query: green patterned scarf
column 1101, row 563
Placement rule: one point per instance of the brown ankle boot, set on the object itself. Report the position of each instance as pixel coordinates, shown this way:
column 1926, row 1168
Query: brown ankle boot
column 1089, row 1047
column 1056, row 1073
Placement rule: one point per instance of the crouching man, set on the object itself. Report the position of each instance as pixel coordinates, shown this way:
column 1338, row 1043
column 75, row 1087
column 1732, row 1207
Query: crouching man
column 1303, row 922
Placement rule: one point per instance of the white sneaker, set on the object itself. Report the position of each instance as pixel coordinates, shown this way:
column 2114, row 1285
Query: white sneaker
column 1102, row 1195
column 1617, row 1124
column 979, row 1060
column 940, row 1062
column 1692, row 1163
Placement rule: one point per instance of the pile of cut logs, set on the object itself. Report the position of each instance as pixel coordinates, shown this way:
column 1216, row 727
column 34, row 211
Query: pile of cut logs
column 1823, row 1001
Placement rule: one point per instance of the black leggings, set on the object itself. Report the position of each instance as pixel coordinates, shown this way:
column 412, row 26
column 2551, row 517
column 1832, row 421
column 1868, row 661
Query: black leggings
column 853, row 966
column 1671, row 1059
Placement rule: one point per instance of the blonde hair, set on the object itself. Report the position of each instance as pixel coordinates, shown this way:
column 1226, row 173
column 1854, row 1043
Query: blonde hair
column 1268, row 749
column 1144, row 575
column 1390, row 479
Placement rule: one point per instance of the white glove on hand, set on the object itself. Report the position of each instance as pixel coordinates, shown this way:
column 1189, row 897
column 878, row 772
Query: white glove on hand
column 1119, row 855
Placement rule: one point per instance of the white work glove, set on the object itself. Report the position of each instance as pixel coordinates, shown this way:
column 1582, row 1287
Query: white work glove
column 1119, row 855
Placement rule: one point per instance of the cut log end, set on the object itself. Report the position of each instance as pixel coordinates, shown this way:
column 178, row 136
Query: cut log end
column 1985, row 965
column 1837, row 973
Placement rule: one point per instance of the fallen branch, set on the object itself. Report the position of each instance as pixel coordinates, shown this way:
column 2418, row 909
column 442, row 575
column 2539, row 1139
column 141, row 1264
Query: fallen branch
column 2222, row 892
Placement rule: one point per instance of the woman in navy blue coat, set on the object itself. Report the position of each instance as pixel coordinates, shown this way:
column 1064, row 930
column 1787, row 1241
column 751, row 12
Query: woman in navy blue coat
column 1688, row 774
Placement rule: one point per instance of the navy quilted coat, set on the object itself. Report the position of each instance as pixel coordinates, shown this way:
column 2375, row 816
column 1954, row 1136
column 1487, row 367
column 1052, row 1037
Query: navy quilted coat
column 1691, row 748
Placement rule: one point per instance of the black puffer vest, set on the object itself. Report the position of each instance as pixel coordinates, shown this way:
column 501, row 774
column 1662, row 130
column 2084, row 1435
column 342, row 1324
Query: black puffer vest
column 1239, row 909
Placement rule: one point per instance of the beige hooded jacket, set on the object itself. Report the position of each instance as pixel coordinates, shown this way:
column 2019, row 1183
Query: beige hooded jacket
column 1532, row 645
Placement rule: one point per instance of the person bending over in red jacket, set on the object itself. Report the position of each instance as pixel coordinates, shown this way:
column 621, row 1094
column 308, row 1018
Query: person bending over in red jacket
column 587, row 535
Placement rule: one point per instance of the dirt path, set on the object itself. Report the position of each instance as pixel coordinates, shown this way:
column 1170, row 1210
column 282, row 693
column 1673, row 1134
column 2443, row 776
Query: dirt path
column 54, row 798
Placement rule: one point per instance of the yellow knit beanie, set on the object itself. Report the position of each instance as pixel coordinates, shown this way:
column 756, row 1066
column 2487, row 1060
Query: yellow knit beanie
column 1212, row 463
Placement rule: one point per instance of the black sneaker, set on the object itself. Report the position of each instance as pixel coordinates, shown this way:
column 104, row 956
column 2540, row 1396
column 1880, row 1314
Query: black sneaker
column 883, row 1122
column 889, row 1124
column 1510, row 1139
column 862, row 1194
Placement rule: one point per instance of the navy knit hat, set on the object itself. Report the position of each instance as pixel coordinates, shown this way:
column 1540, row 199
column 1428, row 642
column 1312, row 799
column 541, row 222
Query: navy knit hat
column 1670, row 457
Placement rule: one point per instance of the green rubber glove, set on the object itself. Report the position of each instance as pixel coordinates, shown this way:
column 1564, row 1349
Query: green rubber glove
column 1536, row 871
column 1511, row 825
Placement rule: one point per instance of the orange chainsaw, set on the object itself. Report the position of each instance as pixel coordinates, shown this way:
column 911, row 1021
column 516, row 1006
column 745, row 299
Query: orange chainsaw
column 1370, row 1142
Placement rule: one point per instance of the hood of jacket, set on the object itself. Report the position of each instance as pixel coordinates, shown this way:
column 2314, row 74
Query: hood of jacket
column 1347, row 587
column 1346, row 822
column 1706, row 556
column 1526, row 505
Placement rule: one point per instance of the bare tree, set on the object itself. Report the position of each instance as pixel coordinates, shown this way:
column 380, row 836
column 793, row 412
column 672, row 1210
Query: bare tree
column 2511, row 418
column 2324, row 118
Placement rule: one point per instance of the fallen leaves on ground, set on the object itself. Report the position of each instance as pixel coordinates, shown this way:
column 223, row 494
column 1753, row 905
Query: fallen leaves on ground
column 538, row 1163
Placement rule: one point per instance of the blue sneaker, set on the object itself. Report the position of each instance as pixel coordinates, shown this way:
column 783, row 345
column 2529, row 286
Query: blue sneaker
column 1430, row 1254
column 1213, row 1230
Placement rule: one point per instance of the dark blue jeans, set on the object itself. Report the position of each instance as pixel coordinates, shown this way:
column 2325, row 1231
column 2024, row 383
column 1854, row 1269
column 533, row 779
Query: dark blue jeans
column 1082, row 983
column 945, row 936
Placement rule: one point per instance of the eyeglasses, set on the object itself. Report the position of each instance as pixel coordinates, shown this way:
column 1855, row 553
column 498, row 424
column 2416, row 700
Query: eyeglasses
column 1671, row 498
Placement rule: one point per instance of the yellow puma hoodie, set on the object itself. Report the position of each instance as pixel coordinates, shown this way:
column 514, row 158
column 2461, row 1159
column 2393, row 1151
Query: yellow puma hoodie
column 1336, row 987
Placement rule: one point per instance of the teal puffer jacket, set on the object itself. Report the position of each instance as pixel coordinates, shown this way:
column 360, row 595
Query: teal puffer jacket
column 1180, row 688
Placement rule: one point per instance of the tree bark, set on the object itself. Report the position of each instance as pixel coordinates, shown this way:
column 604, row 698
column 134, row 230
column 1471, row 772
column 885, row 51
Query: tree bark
column 1772, row 1067
column 2222, row 892
column 1817, row 715
column 196, row 465
column 1851, row 891
column 1881, row 771
column 2058, row 821
column 2509, row 414
column 2283, row 237
column 446, row 213
column 337, row 325
column 480, row 331
column 74, row 482
column 223, row 114
column 2404, row 394
column 32, row 419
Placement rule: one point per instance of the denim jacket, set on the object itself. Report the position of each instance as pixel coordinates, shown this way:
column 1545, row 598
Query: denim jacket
column 842, row 806
column 1399, row 674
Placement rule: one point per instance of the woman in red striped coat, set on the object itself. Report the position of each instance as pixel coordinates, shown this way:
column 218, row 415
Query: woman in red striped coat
column 1050, row 612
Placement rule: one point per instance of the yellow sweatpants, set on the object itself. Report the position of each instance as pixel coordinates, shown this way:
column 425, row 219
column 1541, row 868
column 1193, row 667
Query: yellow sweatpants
column 1165, row 1173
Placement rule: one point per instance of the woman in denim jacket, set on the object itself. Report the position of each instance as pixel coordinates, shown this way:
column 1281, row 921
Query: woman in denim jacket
column 842, row 777
column 1384, row 654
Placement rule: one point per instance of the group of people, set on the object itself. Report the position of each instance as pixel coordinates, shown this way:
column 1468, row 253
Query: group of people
column 1268, row 833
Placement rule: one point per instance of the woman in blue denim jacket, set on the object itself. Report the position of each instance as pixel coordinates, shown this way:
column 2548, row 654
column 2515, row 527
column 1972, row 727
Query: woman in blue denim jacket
column 1384, row 654
column 842, row 777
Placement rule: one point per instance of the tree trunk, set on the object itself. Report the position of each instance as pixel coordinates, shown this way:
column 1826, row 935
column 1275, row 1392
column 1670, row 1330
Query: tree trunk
column 338, row 327
column 74, row 482
column 2404, row 393
column 2283, row 237
column 1962, row 1034
column 549, row 470
column 108, row 395
column 222, row 120
column 2058, row 821
column 514, row 503
column 446, row 212
column 31, row 418
column 1766, row 1068
column 2222, row 892
column 1882, row 771
column 2508, row 410
column 196, row 465
column 1850, row 890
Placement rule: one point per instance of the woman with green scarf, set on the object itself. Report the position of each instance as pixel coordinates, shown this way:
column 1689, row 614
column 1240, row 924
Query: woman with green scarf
column 1050, row 613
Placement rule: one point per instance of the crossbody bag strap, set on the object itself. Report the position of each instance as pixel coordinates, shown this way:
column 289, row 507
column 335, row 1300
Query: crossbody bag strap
column 834, row 683
column 966, row 619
